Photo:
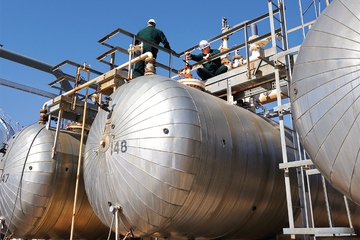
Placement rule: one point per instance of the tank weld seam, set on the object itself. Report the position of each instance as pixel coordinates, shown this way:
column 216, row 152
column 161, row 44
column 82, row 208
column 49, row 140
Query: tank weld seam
column 329, row 94
column 154, row 126
column 123, row 118
column 20, row 181
column 314, row 124
column 162, row 165
column 169, row 184
column 133, row 102
column 329, row 71
column 326, row 137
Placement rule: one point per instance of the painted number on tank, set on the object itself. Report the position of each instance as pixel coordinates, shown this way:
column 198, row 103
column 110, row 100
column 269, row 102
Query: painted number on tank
column 123, row 146
column 117, row 147
column 4, row 178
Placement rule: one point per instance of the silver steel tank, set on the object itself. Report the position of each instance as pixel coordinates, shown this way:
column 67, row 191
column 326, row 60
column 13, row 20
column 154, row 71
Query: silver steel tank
column 325, row 94
column 37, row 192
column 183, row 163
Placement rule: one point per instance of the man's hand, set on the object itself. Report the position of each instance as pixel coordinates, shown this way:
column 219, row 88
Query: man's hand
column 188, row 55
column 206, row 57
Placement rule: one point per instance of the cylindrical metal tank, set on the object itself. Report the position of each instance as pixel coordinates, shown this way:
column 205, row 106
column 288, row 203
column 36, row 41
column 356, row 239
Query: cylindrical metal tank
column 325, row 94
column 183, row 163
column 37, row 192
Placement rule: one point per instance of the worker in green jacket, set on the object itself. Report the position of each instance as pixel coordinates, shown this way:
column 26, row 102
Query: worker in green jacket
column 154, row 35
column 210, row 69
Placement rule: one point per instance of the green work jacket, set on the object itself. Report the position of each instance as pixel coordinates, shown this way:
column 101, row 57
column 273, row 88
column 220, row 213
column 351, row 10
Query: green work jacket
column 212, row 66
column 153, row 35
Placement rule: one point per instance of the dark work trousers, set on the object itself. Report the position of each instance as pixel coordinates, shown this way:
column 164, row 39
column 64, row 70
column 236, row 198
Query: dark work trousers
column 205, row 74
column 139, row 68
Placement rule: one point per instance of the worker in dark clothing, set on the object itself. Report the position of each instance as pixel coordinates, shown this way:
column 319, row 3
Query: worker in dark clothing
column 154, row 35
column 210, row 69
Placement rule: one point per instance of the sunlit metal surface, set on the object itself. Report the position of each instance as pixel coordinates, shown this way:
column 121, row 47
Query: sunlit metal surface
column 181, row 162
column 325, row 96
column 43, row 188
column 337, row 205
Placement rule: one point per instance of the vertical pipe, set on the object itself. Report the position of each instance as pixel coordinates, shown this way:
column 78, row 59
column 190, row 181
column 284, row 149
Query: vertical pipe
column 303, row 192
column 170, row 65
column 348, row 212
column 80, row 157
column 284, row 152
column 228, row 89
column 304, row 199
column 117, row 224
column 112, row 61
column 300, row 171
column 310, row 202
column 130, row 66
column 272, row 25
column 247, row 51
column 327, row 201
column 285, row 38
column 316, row 11
column 57, row 133
column 302, row 19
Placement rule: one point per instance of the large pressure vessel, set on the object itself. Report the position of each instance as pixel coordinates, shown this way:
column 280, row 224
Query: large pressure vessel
column 183, row 163
column 325, row 95
column 37, row 191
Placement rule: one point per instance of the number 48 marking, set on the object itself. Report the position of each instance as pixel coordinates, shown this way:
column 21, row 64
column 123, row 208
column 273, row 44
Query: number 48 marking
column 120, row 147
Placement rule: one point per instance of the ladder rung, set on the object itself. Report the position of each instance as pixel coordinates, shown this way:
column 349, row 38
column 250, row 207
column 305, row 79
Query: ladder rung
column 291, row 147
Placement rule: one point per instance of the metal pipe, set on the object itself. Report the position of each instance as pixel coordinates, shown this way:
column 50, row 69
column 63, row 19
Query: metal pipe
column 303, row 183
column 80, row 155
column 310, row 201
column 316, row 12
column 327, row 201
column 30, row 62
column 247, row 51
column 56, row 134
column 348, row 212
column 302, row 19
column 170, row 70
column 284, row 153
column 271, row 19
column 253, row 29
column 117, row 224
column 112, row 61
column 141, row 57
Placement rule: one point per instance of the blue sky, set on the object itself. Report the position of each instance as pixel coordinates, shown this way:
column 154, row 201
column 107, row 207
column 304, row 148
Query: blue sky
column 54, row 31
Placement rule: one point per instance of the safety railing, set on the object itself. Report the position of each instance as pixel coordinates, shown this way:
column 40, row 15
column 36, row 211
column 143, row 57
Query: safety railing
column 134, row 37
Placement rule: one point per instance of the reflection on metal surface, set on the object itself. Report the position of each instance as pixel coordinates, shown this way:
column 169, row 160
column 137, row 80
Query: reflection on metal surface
column 325, row 96
column 181, row 162
column 37, row 192
column 337, row 205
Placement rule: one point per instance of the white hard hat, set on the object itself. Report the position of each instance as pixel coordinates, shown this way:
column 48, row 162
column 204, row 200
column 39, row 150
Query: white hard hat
column 203, row 44
column 152, row 21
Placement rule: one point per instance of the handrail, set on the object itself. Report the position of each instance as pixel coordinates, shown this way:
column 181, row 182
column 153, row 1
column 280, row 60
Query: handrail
column 119, row 30
column 234, row 48
column 236, row 28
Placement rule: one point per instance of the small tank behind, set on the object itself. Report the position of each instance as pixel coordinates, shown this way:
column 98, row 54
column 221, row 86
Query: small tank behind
column 37, row 192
